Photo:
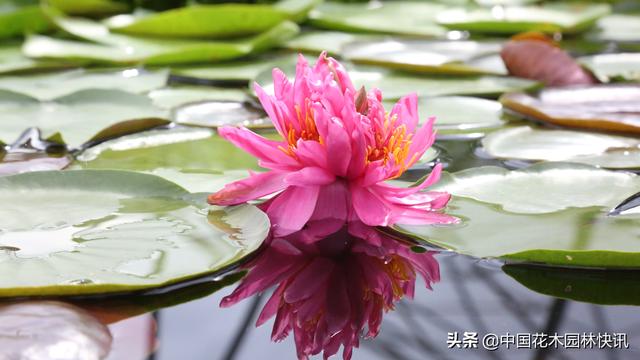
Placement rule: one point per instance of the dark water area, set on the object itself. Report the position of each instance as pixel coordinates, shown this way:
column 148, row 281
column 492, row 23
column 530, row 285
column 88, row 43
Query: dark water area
column 472, row 296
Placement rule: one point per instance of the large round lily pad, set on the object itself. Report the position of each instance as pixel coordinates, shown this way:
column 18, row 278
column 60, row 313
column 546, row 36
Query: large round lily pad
column 103, row 46
column 80, row 117
column 194, row 158
column 102, row 231
column 393, row 17
column 614, row 67
column 540, row 144
column 49, row 86
column 436, row 56
column 565, row 18
column 552, row 213
column 602, row 107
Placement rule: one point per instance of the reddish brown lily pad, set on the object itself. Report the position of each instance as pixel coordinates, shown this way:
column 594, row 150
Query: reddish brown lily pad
column 533, row 56
column 602, row 107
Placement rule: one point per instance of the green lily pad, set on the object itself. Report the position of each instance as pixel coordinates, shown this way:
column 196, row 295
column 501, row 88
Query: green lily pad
column 614, row 67
column 110, row 48
column 332, row 42
column 105, row 231
column 396, row 17
column 459, row 113
column 180, row 148
column 194, row 158
column 18, row 17
column 616, row 27
column 551, row 213
column 237, row 71
column 54, row 85
column 539, row 144
column 440, row 57
column 220, row 113
column 395, row 85
column 175, row 96
column 609, row 107
column 87, row 115
column 89, row 7
column 12, row 60
column 213, row 21
column 592, row 286
column 550, row 18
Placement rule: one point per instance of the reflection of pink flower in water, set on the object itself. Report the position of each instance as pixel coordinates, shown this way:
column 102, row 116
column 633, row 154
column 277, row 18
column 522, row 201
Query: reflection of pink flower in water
column 338, row 147
column 332, row 284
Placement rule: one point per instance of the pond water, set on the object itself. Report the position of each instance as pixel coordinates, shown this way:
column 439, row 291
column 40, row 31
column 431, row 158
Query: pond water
column 122, row 105
column 472, row 296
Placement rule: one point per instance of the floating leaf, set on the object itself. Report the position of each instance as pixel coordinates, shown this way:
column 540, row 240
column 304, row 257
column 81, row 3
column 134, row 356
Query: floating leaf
column 614, row 67
column 538, row 144
column 103, row 231
column 18, row 17
column 51, row 330
column 194, row 158
column 541, row 60
column 395, row 85
column 220, row 113
column 89, row 7
column 551, row 213
column 231, row 72
column 80, row 117
column 180, row 148
column 106, row 47
column 592, row 286
column 448, row 57
column 13, row 61
column 459, row 113
column 616, row 27
column 214, row 21
column 397, row 17
column 550, row 18
column 175, row 96
column 603, row 107
column 332, row 42
column 53, row 85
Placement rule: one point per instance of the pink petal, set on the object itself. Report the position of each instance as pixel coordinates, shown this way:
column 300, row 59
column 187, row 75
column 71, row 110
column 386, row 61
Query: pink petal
column 339, row 145
column 422, row 140
column 272, row 305
column 310, row 176
column 292, row 208
column 268, row 151
column 269, row 104
column 390, row 191
column 333, row 202
column 406, row 111
column 311, row 153
column 309, row 280
column 254, row 187
column 370, row 209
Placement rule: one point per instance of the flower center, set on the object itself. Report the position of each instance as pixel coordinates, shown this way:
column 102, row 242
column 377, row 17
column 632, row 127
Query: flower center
column 391, row 142
column 306, row 129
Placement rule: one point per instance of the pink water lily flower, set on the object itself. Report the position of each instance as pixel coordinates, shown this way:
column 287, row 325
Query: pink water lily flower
column 332, row 284
column 338, row 148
